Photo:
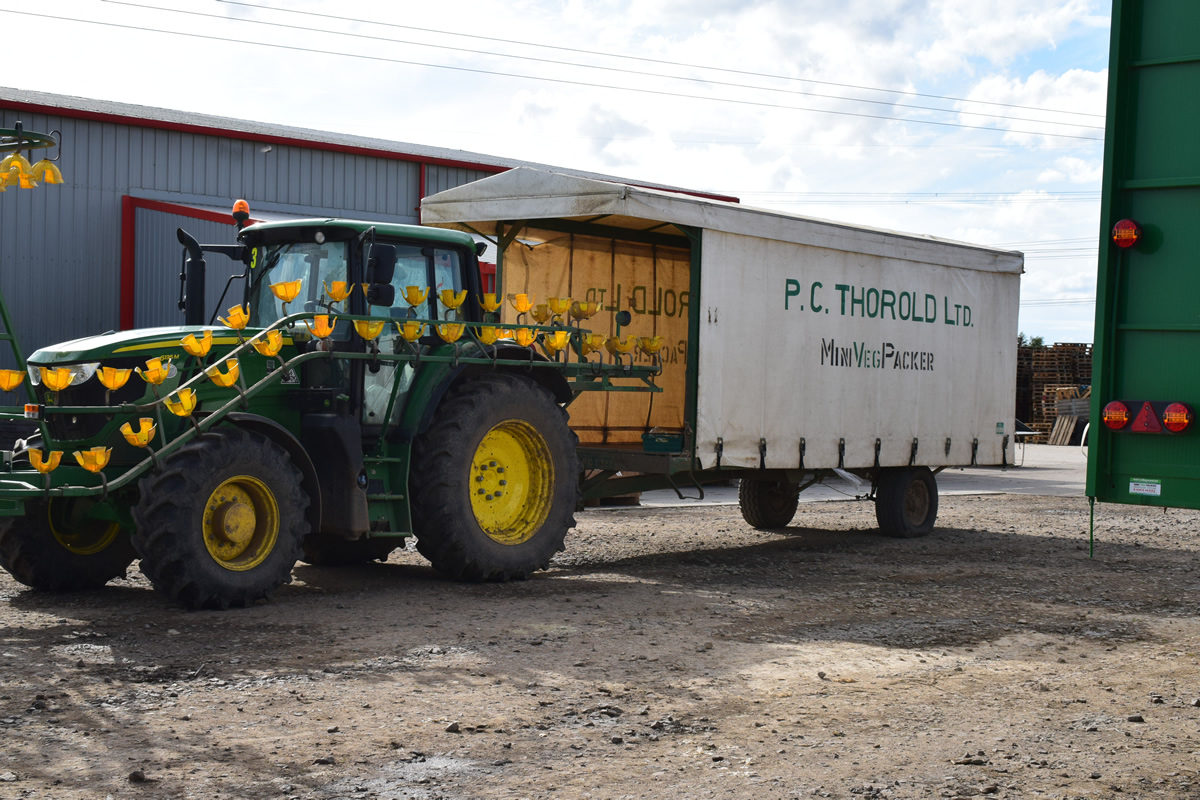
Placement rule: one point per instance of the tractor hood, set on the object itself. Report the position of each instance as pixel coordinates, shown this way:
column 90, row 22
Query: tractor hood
column 143, row 343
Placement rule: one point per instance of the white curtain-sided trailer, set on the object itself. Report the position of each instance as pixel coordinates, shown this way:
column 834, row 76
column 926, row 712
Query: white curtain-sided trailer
column 793, row 345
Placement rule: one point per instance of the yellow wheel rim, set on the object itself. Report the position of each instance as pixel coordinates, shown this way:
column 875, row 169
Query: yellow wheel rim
column 241, row 523
column 512, row 482
column 75, row 531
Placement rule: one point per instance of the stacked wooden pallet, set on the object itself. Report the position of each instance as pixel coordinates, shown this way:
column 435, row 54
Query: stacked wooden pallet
column 1057, row 373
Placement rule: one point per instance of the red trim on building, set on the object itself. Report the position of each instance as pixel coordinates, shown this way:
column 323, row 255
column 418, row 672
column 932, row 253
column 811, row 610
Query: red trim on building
column 205, row 130
column 129, row 207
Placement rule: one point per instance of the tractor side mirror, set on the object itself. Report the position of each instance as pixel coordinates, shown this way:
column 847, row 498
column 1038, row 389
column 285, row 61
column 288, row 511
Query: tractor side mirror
column 381, row 265
column 381, row 294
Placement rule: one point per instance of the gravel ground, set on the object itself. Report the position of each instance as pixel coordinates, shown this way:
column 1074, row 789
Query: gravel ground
column 668, row 653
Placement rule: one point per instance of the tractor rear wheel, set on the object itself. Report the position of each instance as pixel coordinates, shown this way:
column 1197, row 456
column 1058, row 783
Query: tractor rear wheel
column 327, row 550
column 58, row 547
column 494, row 480
column 220, row 521
column 906, row 501
column 768, row 504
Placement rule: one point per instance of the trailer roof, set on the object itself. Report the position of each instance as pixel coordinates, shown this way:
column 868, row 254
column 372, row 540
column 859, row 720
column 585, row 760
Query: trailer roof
column 527, row 196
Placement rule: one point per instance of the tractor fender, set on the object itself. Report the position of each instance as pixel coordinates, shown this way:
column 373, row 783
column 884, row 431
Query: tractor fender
column 435, row 380
column 284, row 438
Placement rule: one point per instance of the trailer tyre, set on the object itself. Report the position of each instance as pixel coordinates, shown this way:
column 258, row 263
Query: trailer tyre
column 906, row 501
column 220, row 523
column 56, row 547
column 768, row 504
column 327, row 550
column 494, row 480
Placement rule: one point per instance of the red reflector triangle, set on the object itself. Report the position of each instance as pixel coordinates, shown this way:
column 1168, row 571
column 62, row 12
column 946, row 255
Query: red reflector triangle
column 1147, row 421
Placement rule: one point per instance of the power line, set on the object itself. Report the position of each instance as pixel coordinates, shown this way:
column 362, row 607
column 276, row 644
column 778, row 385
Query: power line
column 563, row 81
column 655, row 60
column 638, row 73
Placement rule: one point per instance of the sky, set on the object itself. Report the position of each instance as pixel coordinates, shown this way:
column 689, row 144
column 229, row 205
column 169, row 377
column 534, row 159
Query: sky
column 974, row 120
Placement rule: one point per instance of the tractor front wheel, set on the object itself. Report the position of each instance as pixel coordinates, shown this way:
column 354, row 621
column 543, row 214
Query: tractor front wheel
column 494, row 480
column 220, row 522
column 58, row 546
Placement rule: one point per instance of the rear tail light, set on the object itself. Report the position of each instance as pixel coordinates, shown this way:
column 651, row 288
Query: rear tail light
column 1116, row 415
column 1151, row 417
column 1177, row 417
column 1126, row 233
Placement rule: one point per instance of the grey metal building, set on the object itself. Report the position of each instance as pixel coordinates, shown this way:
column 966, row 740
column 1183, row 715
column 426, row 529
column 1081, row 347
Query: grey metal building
column 99, row 252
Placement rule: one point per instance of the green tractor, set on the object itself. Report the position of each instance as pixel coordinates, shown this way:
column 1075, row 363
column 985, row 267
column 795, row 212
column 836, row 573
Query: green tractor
column 362, row 391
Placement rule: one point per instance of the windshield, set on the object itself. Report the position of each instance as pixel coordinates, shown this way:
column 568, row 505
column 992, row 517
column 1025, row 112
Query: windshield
column 315, row 265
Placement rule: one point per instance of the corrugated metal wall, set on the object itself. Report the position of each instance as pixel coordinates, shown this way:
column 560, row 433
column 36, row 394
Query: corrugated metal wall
column 60, row 246
column 439, row 178
column 159, row 258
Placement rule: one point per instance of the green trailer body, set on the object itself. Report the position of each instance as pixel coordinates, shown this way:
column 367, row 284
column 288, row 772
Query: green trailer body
column 1147, row 334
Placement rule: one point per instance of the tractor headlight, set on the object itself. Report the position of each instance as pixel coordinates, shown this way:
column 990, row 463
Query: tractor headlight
column 79, row 372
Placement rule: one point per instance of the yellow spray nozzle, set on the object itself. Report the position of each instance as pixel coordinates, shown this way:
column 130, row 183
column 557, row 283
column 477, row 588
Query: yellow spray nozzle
column 183, row 404
column 541, row 313
column 287, row 291
column 452, row 299
column 591, row 342
column 270, row 345
column 10, row 379
column 47, row 464
column 155, row 372
column 337, row 291
column 525, row 336
column 559, row 305
column 489, row 302
column 615, row 345
column 650, row 344
column 584, row 310
column 143, row 435
column 95, row 459
column 113, row 378
column 521, row 302
column 320, row 327
column 238, row 318
column 369, row 329
column 224, row 379
column 488, row 334
column 55, row 379
column 554, row 342
column 414, row 295
column 197, row 347
column 411, row 330
column 451, row 332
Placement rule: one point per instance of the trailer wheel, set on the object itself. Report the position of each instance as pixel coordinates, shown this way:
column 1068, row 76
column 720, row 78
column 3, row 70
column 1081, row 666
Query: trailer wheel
column 766, row 503
column 327, row 550
column 57, row 547
column 906, row 501
column 495, row 480
column 220, row 522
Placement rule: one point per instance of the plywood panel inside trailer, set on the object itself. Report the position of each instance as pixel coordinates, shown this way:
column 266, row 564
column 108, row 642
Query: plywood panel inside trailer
column 651, row 282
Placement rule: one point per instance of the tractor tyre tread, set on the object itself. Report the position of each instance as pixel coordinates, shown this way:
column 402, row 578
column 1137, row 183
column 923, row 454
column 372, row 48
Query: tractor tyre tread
column 168, row 519
column 33, row 556
column 448, row 534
